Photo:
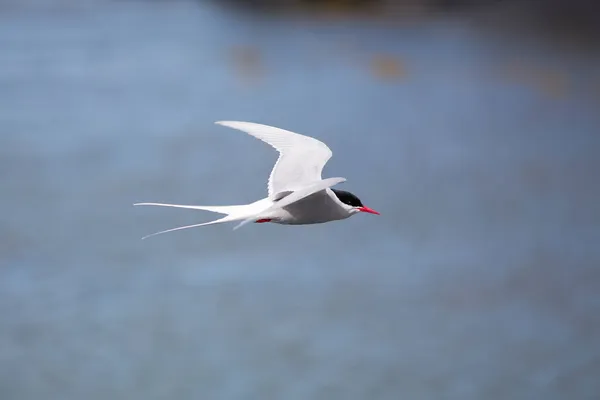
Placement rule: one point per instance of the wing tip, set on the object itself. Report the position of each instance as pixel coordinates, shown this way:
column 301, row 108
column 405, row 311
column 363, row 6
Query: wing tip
column 146, row 204
column 240, row 124
column 226, row 123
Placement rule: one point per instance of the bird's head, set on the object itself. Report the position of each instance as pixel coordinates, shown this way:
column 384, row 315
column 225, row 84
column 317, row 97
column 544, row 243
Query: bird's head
column 352, row 203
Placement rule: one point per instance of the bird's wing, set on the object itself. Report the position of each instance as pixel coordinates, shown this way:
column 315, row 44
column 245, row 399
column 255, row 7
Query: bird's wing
column 307, row 191
column 295, row 196
column 301, row 158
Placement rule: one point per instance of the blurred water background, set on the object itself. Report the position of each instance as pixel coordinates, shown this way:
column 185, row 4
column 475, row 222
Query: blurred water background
column 473, row 130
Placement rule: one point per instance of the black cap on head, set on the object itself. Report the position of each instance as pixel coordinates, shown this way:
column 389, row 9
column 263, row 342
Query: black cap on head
column 347, row 198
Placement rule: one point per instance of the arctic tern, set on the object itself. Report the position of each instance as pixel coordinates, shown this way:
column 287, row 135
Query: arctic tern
column 297, row 195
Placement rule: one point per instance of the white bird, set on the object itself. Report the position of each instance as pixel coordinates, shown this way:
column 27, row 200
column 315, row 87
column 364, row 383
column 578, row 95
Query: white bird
column 297, row 195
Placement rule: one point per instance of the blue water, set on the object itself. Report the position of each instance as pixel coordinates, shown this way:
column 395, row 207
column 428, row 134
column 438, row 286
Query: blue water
column 480, row 280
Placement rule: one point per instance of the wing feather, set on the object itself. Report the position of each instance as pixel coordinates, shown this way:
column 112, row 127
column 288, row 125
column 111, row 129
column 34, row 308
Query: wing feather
column 306, row 191
column 301, row 158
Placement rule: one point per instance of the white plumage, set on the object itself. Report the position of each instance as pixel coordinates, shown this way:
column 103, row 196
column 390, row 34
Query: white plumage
column 297, row 194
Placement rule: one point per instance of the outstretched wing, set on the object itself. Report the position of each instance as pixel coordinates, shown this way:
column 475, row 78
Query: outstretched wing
column 301, row 158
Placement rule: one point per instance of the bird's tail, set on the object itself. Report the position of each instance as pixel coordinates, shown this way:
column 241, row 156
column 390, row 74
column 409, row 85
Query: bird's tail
column 232, row 213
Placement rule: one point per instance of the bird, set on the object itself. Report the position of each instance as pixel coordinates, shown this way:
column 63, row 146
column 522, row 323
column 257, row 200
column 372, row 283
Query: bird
column 297, row 194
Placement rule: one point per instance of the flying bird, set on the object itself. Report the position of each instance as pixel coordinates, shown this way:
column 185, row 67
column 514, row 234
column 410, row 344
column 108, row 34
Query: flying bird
column 297, row 195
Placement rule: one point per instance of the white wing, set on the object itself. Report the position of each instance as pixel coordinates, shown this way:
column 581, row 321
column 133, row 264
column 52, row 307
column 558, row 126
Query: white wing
column 297, row 196
column 301, row 158
column 306, row 191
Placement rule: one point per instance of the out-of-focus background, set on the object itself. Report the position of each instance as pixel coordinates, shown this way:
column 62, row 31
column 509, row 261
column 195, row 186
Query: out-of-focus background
column 473, row 127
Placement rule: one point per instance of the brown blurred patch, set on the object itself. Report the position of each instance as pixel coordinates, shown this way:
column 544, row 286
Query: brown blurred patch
column 373, row 10
column 389, row 68
column 248, row 63
column 340, row 8
column 551, row 82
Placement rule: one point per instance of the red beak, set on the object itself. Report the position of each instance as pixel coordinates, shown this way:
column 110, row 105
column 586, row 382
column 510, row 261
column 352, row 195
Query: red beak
column 368, row 210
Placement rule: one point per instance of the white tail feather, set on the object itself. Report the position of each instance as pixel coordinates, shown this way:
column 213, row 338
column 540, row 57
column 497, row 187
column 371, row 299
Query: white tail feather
column 244, row 222
column 234, row 213
column 217, row 221
column 217, row 209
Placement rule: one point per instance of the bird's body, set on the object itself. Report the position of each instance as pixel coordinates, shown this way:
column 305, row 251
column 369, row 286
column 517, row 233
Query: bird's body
column 297, row 195
column 317, row 208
